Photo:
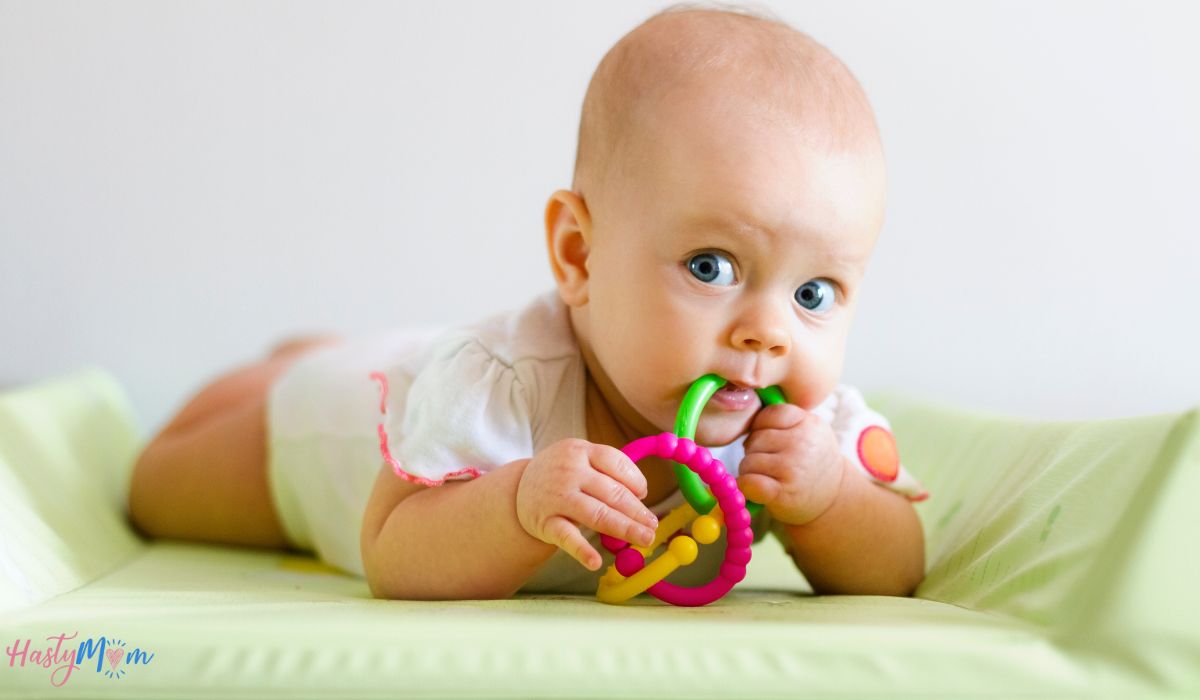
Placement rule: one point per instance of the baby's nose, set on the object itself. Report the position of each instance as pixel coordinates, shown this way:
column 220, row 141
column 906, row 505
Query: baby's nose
column 773, row 341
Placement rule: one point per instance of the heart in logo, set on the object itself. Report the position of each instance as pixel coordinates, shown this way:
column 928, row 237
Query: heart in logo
column 114, row 657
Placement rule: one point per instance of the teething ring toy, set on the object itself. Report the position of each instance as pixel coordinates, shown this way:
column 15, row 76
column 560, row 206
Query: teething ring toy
column 682, row 549
column 697, row 471
column 685, row 426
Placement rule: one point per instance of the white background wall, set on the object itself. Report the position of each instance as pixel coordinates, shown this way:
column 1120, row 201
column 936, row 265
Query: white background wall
column 183, row 184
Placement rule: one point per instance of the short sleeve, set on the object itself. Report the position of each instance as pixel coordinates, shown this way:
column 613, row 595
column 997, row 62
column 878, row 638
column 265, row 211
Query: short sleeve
column 464, row 413
column 866, row 438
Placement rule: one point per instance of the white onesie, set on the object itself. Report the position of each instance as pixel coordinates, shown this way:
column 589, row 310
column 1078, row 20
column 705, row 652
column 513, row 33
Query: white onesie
column 442, row 404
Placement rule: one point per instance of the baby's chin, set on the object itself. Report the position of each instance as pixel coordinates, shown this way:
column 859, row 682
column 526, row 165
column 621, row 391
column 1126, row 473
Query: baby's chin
column 718, row 431
column 712, row 432
column 716, row 428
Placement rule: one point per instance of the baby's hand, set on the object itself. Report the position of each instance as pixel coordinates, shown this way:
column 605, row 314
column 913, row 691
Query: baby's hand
column 575, row 482
column 792, row 465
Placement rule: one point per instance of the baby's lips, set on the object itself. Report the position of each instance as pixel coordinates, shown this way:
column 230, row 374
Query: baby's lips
column 736, row 381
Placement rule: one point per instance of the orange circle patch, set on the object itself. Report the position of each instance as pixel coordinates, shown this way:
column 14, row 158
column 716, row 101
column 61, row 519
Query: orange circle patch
column 877, row 452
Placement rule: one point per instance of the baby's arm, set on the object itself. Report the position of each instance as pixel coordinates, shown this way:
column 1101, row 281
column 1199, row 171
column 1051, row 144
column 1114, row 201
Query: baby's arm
column 457, row 541
column 870, row 541
column 846, row 534
column 486, row 537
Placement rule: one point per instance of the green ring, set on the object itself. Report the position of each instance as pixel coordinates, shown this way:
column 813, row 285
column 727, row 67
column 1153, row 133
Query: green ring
column 690, row 483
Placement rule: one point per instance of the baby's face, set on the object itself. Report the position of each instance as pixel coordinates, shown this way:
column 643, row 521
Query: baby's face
column 740, row 255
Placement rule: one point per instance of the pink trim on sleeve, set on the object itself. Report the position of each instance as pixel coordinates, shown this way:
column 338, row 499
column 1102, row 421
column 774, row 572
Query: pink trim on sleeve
column 387, row 454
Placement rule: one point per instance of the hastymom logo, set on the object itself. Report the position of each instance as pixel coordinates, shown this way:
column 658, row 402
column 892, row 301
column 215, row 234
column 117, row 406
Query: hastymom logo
column 112, row 656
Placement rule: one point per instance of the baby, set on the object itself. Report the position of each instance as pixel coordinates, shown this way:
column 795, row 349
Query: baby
column 727, row 196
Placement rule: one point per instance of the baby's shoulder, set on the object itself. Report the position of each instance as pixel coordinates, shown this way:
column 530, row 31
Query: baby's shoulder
column 515, row 367
column 538, row 332
column 529, row 353
column 846, row 409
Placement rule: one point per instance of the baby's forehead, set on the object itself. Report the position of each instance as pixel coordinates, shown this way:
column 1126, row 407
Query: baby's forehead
column 754, row 169
column 810, row 197
column 698, row 221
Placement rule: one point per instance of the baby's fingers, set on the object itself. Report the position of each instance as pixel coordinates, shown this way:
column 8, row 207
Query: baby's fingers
column 567, row 537
column 607, row 459
column 766, row 463
column 778, row 416
column 616, row 496
column 759, row 488
column 604, row 518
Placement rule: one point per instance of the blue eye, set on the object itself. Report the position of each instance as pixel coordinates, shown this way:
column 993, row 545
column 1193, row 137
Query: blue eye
column 711, row 267
column 817, row 295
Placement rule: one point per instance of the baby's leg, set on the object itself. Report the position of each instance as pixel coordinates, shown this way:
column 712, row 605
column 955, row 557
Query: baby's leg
column 204, row 476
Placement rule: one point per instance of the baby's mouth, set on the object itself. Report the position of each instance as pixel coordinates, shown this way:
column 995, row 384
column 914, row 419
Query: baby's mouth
column 735, row 397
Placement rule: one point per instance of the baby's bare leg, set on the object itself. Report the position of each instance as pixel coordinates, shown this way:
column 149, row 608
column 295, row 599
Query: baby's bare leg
column 204, row 476
column 230, row 391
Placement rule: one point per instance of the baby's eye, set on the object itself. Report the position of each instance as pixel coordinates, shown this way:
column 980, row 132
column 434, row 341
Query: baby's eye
column 816, row 295
column 711, row 267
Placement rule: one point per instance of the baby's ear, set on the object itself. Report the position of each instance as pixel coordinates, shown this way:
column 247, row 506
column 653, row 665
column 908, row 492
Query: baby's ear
column 568, row 242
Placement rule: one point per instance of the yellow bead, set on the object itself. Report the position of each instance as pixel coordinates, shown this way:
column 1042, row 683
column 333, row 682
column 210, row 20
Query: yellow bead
column 684, row 549
column 706, row 529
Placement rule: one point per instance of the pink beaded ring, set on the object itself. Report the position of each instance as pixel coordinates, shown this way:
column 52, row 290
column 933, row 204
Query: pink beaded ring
column 629, row 561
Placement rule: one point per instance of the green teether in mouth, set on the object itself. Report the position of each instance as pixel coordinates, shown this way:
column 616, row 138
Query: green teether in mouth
column 692, row 486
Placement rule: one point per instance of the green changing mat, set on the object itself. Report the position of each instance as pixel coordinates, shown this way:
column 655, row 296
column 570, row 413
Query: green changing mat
column 1060, row 556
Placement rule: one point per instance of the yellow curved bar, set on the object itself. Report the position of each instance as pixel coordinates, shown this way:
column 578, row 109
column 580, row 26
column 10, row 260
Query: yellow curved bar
column 650, row 574
column 675, row 520
column 615, row 588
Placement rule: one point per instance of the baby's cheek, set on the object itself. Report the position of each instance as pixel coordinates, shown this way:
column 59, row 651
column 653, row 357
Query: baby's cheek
column 813, row 377
column 806, row 391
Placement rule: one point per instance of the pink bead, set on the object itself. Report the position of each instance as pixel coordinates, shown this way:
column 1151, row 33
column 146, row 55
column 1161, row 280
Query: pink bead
column 612, row 544
column 701, row 459
column 630, row 561
column 733, row 572
column 738, row 555
column 639, row 448
column 684, row 450
column 741, row 537
column 666, row 443
column 737, row 519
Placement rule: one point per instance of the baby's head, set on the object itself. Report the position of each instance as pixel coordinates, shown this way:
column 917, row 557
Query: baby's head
column 729, row 189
